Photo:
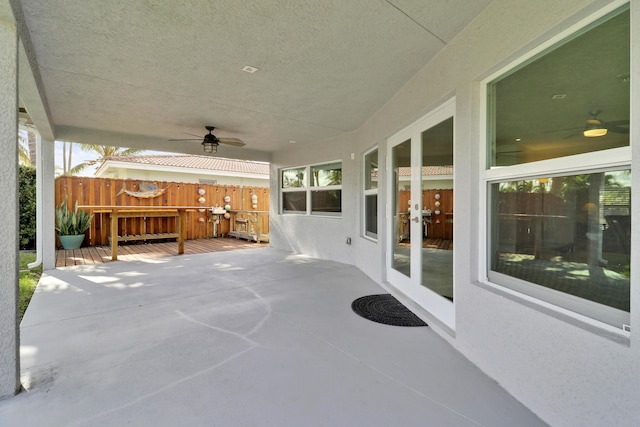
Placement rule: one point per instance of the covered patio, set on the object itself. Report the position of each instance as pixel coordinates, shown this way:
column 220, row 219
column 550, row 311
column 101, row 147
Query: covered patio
column 528, row 103
column 247, row 337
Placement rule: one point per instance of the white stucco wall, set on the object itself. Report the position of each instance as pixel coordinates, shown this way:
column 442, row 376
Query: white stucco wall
column 9, row 264
column 323, row 237
column 567, row 372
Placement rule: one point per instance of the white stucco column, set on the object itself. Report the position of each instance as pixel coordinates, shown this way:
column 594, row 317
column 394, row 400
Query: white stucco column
column 45, row 234
column 47, row 164
column 9, row 266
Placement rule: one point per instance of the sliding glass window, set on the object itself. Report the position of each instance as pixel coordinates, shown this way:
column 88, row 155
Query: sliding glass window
column 560, row 214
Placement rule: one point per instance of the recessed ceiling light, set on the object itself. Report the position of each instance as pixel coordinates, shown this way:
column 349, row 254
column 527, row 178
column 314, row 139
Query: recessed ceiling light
column 292, row 142
column 249, row 69
column 518, row 139
column 559, row 96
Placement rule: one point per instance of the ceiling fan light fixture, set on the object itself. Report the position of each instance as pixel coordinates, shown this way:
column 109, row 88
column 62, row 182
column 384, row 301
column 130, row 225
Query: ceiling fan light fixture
column 209, row 146
column 594, row 130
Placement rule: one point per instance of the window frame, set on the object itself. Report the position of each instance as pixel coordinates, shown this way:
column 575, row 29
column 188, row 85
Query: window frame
column 368, row 192
column 301, row 189
column 308, row 189
column 586, row 311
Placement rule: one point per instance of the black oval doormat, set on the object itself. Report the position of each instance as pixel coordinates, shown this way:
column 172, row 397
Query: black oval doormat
column 384, row 308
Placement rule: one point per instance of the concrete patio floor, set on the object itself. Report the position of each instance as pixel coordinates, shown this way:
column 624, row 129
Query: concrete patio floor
column 254, row 337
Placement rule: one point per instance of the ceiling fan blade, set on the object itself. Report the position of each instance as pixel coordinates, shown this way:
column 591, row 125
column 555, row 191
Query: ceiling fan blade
column 618, row 123
column 188, row 139
column 231, row 141
column 563, row 130
column 572, row 135
column 617, row 129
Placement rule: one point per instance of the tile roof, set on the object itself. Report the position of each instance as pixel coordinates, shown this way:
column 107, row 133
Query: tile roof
column 427, row 171
column 197, row 162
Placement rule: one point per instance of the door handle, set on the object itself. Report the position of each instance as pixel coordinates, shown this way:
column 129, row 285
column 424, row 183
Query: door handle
column 416, row 219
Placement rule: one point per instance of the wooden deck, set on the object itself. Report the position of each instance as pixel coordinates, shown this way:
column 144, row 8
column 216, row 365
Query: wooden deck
column 102, row 254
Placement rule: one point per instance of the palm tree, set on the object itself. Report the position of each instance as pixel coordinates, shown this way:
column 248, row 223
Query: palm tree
column 32, row 147
column 66, row 160
column 103, row 152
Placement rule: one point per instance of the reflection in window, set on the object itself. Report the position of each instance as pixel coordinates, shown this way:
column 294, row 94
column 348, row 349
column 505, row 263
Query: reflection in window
column 293, row 178
column 569, row 233
column 567, row 100
column 371, row 194
column 564, row 238
column 371, row 215
column 297, row 195
column 327, row 201
column 371, row 170
column 294, row 201
column 326, row 175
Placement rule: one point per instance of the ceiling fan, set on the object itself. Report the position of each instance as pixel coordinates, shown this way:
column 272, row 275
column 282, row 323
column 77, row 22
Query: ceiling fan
column 210, row 142
column 595, row 127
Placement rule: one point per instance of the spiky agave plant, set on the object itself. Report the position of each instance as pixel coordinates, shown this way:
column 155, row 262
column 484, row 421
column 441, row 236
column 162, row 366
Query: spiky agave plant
column 71, row 223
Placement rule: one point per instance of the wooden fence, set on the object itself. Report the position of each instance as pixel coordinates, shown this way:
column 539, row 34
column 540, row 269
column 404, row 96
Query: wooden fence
column 105, row 191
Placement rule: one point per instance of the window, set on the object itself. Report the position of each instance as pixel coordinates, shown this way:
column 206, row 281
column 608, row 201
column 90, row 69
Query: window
column 371, row 194
column 326, row 194
column 294, row 193
column 558, row 178
column 320, row 193
column 548, row 107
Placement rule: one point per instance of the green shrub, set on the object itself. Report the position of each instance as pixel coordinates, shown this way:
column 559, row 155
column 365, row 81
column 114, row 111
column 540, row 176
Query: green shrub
column 27, row 203
column 28, row 280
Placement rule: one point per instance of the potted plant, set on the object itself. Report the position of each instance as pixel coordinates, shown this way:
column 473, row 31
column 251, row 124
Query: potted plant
column 71, row 225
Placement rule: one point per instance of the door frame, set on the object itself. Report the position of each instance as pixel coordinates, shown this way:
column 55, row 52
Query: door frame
column 438, row 306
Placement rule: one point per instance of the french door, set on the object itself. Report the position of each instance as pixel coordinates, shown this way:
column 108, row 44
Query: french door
column 420, row 212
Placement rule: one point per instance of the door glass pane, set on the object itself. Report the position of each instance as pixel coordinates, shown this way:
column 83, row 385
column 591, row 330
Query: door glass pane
column 402, row 195
column 437, row 208
column 571, row 234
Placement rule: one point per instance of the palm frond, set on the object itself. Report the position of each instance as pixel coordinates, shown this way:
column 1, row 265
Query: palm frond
column 23, row 156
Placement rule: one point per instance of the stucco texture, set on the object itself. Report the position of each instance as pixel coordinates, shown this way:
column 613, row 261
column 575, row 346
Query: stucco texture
column 565, row 372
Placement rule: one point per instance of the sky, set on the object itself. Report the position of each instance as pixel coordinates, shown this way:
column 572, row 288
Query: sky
column 78, row 156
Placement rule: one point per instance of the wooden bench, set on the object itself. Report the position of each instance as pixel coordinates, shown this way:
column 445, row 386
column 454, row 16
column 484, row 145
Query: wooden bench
column 248, row 225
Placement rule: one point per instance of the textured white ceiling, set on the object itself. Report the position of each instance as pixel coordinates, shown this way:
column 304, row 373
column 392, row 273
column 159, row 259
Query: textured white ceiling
column 161, row 69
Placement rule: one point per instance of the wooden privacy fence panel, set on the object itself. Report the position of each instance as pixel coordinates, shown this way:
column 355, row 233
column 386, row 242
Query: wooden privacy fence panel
column 441, row 226
column 108, row 192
